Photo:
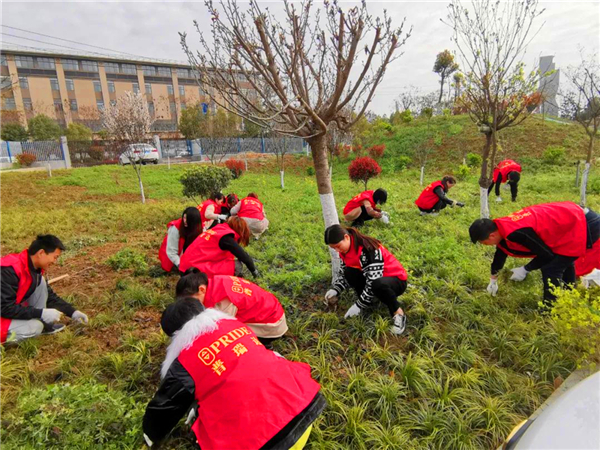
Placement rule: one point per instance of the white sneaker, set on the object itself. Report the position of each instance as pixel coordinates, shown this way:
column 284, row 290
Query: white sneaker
column 498, row 199
column 399, row 324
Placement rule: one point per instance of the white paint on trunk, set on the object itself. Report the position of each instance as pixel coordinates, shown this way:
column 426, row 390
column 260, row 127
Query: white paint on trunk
column 584, row 180
column 168, row 161
column 281, row 175
column 141, row 189
column 49, row 170
column 484, row 211
column 330, row 217
column 422, row 174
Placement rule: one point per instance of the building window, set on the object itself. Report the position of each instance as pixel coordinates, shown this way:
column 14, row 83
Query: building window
column 240, row 77
column 73, row 105
column 54, row 84
column 25, row 62
column 97, row 86
column 149, row 70
column 27, row 105
column 89, row 66
column 9, row 103
column 151, row 108
column 100, row 105
column 3, row 61
column 170, row 89
column 172, row 107
column 45, row 63
column 23, row 83
column 148, row 88
column 164, row 71
column 111, row 86
column 182, row 91
column 111, row 67
column 70, row 85
column 183, row 73
column 58, row 106
column 70, row 64
column 128, row 68
column 136, row 88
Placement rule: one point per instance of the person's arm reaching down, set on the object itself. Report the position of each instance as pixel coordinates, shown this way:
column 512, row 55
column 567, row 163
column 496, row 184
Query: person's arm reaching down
column 227, row 243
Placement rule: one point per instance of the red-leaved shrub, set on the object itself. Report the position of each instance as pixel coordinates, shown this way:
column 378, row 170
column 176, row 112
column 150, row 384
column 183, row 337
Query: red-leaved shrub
column 376, row 151
column 363, row 169
column 25, row 159
column 236, row 166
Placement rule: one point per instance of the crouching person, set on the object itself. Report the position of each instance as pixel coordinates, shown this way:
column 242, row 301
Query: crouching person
column 246, row 396
column 29, row 307
column 242, row 299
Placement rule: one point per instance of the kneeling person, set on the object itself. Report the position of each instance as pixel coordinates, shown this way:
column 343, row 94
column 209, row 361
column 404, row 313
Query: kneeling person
column 29, row 306
column 433, row 198
column 240, row 298
column 246, row 396
column 363, row 207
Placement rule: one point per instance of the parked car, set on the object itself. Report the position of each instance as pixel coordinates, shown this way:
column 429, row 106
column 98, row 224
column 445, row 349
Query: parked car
column 144, row 152
column 570, row 421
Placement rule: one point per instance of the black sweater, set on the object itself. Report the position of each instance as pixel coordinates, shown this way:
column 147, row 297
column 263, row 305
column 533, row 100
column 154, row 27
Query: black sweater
column 228, row 243
column 528, row 238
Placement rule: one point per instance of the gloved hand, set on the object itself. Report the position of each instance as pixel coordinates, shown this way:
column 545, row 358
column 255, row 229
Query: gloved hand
column 51, row 315
column 256, row 274
column 460, row 204
column 222, row 217
column 149, row 443
column 519, row 274
column 493, row 287
column 331, row 293
column 79, row 317
column 385, row 218
column 353, row 311
column 498, row 199
column 190, row 417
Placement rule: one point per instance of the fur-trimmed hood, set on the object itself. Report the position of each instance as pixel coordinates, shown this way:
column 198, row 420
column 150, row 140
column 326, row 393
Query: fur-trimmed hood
column 203, row 323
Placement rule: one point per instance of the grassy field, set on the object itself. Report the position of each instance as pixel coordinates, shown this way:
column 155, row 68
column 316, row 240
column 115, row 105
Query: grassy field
column 468, row 369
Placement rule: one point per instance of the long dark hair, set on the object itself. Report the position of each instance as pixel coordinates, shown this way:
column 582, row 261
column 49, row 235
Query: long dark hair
column 335, row 233
column 190, row 232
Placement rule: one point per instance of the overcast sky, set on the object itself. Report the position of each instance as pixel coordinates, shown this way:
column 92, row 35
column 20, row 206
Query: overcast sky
column 150, row 29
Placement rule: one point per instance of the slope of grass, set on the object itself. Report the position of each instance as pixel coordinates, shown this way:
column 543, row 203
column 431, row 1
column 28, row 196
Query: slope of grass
column 468, row 369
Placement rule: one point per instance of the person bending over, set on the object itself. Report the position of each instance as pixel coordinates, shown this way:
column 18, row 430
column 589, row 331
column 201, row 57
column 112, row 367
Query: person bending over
column 363, row 207
column 433, row 198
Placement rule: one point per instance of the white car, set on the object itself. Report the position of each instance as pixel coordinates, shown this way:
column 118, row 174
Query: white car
column 144, row 152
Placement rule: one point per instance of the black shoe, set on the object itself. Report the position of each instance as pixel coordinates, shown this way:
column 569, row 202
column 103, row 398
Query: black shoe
column 357, row 223
column 51, row 328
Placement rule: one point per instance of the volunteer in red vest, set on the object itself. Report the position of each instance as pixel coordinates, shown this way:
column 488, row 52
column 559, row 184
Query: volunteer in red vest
column 240, row 298
column 29, row 306
column 245, row 397
column 433, row 198
column 253, row 212
column 180, row 234
column 214, row 252
column 230, row 201
column 506, row 171
column 210, row 211
column 371, row 270
column 363, row 207
column 553, row 234
column 587, row 267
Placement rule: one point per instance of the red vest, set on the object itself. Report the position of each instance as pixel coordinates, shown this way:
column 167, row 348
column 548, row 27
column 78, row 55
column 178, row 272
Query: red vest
column 254, row 304
column 246, row 394
column 428, row 198
column 251, row 208
column 505, row 167
column 202, row 209
column 391, row 266
column 204, row 253
column 562, row 227
column 20, row 263
column 588, row 262
column 165, row 262
column 357, row 201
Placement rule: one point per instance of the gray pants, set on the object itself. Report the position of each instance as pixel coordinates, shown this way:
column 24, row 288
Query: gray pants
column 20, row 330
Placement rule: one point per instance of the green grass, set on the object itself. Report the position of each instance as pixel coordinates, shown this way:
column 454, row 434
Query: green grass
column 468, row 369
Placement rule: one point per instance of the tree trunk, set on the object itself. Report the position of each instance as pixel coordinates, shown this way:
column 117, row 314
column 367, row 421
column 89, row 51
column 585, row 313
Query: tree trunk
column 441, row 90
column 586, row 172
column 138, row 172
column 330, row 215
column 484, row 181
column 49, row 170
column 577, row 174
column 281, row 175
column 422, row 174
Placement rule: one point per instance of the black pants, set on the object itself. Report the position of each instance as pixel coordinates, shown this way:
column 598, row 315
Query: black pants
column 436, row 208
column 386, row 289
column 364, row 216
column 557, row 273
column 267, row 342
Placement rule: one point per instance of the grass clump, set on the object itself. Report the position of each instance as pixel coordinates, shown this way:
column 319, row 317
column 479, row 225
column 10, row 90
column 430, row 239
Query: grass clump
column 129, row 259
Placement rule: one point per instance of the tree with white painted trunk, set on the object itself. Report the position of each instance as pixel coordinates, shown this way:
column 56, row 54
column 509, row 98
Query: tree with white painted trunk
column 128, row 121
column 280, row 145
column 307, row 67
column 491, row 38
column 581, row 103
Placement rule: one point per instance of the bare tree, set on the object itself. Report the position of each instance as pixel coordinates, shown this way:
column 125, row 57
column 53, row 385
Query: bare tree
column 581, row 103
column 492, row 39
column 306, row 68
column 458, row 79
column 408, row 99
column 444, row 66
column 128, row 121
column 280, row 144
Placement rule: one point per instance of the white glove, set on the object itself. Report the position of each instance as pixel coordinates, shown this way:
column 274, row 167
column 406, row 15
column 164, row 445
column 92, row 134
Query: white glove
column 148, row 441
column 385, row 218
column 493, row 287
column 353, row 311
column 222, row 217
column 330, row 294
column 79, row 317
column 51, row 315
column 498, row 199
column 191, row 416
column 519, row 274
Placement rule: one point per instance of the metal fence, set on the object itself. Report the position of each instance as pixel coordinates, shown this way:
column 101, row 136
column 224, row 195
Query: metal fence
column 99, row 152
column 43, row 151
